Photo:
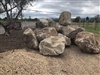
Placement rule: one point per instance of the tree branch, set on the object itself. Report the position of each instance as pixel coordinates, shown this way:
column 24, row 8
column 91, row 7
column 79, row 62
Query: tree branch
column 10, row 9
column 19, row 13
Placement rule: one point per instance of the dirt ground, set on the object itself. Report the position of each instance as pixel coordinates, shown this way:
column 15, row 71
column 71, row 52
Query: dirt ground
column 17, row 59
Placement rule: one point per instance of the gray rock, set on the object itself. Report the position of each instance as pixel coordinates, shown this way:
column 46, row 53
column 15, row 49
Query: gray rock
column 66, row 30
column 65, row 18
column 2, row 30
column 56, row 25
column 41, row 23
column 49, row 20
column 71, row 31
column 67, row 40
column 30, row 39
column 73, row 34
column 87, row 42
column 45, row 32
column 53, row 45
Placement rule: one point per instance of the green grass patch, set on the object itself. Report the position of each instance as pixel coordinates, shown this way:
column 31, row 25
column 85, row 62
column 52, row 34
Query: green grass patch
column 91, row 27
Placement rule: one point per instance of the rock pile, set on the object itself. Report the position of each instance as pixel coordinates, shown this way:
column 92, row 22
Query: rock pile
column 51, row 37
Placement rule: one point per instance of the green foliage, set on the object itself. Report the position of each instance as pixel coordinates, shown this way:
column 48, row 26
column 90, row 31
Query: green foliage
column 92, row 29
column 87, row 18
column 77, row 19
column 9, row 5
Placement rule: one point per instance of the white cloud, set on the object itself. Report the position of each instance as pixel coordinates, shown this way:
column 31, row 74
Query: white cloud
column 53, row 8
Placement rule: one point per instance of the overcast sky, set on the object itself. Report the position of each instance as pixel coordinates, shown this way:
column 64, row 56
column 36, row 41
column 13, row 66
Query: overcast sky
column 53, row 8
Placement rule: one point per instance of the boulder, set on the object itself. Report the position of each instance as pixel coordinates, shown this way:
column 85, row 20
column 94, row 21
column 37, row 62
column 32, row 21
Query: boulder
column 65, row 18
column 87, row 42
column 56, row 25
column 41, row 23
column 2, row 30
column 45, row 32
column 30, row 39
column 73, row 34
column 53, row 45
column 66, row 30
column 49, row 20
column 71, row 31
column 67, row 40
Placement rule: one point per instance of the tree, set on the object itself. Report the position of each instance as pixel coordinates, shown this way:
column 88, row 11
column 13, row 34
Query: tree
column 96, row 18
column 87, row 18
column 13, row 10
column 77, row 19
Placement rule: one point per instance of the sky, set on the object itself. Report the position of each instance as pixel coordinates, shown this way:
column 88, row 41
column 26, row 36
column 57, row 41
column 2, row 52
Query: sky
column 53, row 8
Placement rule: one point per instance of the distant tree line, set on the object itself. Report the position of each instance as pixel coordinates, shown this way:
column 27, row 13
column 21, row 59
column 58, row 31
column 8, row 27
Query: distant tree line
column 89, row 19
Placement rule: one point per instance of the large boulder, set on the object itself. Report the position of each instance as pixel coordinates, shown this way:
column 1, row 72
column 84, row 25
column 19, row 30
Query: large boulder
column 66, row 30
column 56, row 25
column 87, row 42
column 53, row 45
column 41, row 23
column 65, row 18
column 45, row 32
column 71, row 31
column 30, row 39
column 73, row 34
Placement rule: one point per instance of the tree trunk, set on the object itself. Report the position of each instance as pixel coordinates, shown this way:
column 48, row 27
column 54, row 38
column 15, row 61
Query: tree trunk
column 6, row 27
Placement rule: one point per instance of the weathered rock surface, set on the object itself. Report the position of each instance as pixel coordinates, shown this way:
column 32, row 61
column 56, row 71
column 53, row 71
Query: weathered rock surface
column 2, row 30
column 49, row 20
column 87, row 42
column 71, row 31
column 30, row 39
column 65, row 18
column 45, row 32
column 53, row 45
column 73, row 34
column 56, row 25
column 66, row 30
column 67, row 40
column 41, row 23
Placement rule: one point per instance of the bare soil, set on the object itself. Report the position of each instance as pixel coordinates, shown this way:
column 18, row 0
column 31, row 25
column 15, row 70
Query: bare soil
column 17, row 59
